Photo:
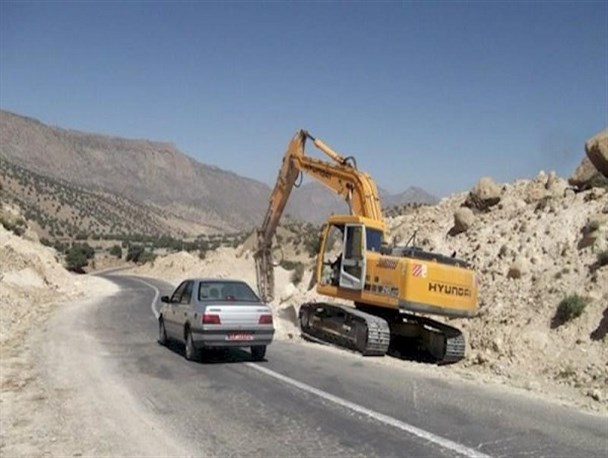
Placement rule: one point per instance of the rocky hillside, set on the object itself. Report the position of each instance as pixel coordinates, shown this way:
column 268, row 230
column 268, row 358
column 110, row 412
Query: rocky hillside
column 57, row 209
column 142, row 186
column 152, row 173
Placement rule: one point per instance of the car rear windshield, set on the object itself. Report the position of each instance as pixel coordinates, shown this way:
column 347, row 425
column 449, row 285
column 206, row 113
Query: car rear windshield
column 219, row 291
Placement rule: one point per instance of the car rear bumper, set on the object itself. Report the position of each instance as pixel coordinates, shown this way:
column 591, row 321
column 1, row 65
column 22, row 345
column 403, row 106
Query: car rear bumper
column 235, row 338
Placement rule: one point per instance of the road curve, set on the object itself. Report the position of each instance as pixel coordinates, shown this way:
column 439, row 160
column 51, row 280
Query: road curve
column 307, row 401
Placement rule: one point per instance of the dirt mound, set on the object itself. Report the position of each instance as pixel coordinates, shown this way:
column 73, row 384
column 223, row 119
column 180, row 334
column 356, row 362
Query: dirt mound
column 32, row 281
column 529, row 254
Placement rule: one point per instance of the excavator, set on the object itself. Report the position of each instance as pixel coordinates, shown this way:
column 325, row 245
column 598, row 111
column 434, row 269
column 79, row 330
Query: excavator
column 391, row 287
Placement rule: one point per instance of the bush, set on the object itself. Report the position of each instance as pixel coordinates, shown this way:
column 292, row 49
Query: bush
column 139, row 255
column 116, row 250
column 134, row 252
column 146, row 256
column 569, row 308
column 78, row 257
column 18, row 227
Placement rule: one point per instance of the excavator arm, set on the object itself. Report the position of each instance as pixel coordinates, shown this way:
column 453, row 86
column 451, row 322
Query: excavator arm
column 340, row 175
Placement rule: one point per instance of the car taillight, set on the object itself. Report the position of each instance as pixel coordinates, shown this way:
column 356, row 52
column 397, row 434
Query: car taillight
column 265, row 319
column 210, row 318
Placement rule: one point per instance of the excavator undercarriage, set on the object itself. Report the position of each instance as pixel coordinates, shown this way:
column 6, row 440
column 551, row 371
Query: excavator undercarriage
column 395, row 333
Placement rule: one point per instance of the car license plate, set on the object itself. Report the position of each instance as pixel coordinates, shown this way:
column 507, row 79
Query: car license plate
column 239, row 336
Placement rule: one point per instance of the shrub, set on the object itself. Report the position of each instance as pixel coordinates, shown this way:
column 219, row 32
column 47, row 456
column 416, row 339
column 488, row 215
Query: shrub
column 569, row 308
column 134, row 252
column 146, row 256
column 18, row 227
column 78, row 257
column 116, row 250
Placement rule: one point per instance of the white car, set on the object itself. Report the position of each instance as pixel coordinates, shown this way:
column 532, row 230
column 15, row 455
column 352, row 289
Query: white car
column 215, row 313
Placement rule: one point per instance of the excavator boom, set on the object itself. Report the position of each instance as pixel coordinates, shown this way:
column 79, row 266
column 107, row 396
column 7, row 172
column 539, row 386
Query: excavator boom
column 341, row 176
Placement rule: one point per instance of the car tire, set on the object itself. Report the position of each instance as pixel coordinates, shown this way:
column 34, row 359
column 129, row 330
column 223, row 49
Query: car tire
column 258, row 352
column 162, row 332
column 304, row 319
column 190, row 351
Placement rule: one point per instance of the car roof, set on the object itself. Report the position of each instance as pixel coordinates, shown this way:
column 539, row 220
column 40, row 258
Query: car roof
column 209, row 279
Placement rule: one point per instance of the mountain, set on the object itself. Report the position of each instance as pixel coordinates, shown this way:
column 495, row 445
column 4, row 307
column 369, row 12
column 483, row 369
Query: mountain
column 411, row 195
column 151, row 173
column 71, row 181
column 313, row 202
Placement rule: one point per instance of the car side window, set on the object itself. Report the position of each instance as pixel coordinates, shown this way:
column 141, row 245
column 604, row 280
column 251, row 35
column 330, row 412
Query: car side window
column 177, row 295
column 187, row 293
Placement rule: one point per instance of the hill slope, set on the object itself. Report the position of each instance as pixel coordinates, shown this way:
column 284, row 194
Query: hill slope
column 151, row 173
column 176, row 192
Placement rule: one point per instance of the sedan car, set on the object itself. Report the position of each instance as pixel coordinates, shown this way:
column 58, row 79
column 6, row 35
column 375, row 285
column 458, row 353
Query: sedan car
column 215, row 313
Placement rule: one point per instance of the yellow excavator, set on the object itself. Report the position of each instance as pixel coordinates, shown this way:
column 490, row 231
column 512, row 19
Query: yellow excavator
column 390, row 286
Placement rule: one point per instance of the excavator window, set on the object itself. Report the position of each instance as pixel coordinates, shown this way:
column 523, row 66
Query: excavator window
column 373, row 238
column 353, row 242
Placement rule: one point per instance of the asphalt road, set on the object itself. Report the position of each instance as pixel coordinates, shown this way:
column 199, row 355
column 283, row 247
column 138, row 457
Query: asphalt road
column 305, row 400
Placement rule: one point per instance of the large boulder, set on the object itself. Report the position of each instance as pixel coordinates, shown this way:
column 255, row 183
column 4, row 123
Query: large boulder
column 463, row 220
column 597, row 151
column 485, row 194
column 583, row 173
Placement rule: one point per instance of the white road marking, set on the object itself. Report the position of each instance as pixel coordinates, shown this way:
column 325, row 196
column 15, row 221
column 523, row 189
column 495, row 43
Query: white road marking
column 156, row 295
column 438, row 440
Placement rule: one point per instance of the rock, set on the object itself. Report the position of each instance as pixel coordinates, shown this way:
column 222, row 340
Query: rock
column 556, row 185
column 497, row 345
column 597, row 151
column 535, row 191
column 485, row 194
column 31, row 235
column 583, row 173
column 288, row 291
column 463, row 220
column 532, row 385
column 595, row 394
column 518, row 269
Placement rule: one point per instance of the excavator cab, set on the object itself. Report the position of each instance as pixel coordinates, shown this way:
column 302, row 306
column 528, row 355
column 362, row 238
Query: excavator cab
column 345, row 241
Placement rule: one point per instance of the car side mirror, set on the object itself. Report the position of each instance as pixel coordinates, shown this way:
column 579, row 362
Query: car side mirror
column 165, row 299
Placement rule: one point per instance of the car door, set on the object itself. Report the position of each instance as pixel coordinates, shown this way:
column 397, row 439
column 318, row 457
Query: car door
column 183, row 310
column 171, row 315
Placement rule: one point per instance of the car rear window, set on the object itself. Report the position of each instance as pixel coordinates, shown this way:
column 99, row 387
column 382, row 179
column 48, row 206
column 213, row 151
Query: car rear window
column 219, row 291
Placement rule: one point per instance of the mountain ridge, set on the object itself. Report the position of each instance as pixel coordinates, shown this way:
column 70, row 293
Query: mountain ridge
column 158, row 174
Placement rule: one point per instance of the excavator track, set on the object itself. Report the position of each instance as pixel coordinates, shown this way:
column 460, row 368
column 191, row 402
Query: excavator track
column 371, row 335
column 444, row 343
column 346, row 327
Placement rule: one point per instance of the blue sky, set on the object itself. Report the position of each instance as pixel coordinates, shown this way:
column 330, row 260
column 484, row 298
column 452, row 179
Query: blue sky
column 430, row 94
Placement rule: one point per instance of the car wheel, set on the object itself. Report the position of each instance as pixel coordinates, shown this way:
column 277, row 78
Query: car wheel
column 258, row 352
column 304, row 319
column 190, row 352
column 162, row 332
